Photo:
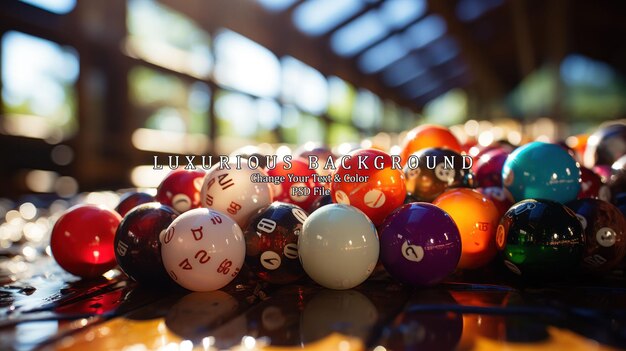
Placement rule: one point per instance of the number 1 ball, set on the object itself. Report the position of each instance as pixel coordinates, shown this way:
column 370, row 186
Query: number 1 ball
column 338, row 246
column 540, row 170
column 272, row 243
column 420, row 244
column 137, row 246
column 82, row 240
column 540, row 239
column 203, row 249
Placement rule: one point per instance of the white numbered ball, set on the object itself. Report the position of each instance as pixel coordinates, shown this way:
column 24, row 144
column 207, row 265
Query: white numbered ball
column 338, row 246
column 231, row 191
column 203, row 249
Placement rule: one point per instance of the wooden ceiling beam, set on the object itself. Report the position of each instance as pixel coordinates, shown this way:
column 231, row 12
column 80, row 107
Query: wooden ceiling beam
column 480, row 66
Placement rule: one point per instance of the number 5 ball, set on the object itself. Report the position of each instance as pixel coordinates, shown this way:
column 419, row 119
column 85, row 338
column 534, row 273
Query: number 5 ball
column 477, row 219
column 420, row 244
column 338, row 246
column 203, row 249
column 232, row 192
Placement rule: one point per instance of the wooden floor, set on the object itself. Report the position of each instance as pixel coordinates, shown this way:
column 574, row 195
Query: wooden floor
column 42, row 307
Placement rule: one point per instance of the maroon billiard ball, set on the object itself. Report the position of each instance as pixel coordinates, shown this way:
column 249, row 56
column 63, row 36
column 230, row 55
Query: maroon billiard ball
column 180, row 189
column 137, row 245
column 132, row 199
column 272, row 243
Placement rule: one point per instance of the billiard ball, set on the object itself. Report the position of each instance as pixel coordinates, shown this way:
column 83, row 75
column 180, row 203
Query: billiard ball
column 137, row 245
column 540, row 239
column 315, row 152
column 617, row 180
column 320, row 201
column 374, row 185
column 605, row 145
column 500, row 197
column 132, row 199
column 338, row 246
column 272, row 243
column 604, row 171
column 82, row 240
column 477, row 219
column 300, row 182
column 232, row 191
column 180, row 189
column 420, row 244
column 541, row 170
column 488, row 168
column 428, row 136
column 605, row 230
column 429, row 172
column 591, row 186
column 203, row 249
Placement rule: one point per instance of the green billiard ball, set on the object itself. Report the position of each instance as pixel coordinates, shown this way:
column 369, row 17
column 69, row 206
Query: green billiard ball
column 540, row 239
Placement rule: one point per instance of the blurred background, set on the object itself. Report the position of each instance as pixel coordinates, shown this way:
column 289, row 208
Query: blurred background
column 92, row 90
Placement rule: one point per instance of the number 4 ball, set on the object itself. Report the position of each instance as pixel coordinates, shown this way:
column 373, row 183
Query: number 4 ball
column 203, row 249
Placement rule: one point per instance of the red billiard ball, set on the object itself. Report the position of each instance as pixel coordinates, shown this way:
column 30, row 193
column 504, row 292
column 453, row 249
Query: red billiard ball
column 500, row 197
column 488, row 168
column 374, row 185
column 272, row 243
column 591, row 186
column 180, row 189
column 82, row 240
column 300, row 183
column 132, row 199
column 137, row 245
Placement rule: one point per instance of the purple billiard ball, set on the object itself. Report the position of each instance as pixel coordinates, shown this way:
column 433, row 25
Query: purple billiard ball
column 420, row 244
column 137, row 246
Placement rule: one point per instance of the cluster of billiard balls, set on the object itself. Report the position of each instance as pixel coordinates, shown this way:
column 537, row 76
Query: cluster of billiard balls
column 535, row 206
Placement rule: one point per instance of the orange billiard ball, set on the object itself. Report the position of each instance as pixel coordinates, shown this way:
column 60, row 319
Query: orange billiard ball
column 477, row 219
column 368, row 180
column 428, row 135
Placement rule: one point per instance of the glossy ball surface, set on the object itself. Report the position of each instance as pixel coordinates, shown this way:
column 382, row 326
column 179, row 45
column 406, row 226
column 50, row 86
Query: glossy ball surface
column 180, row 189
column 338, row 246
column 591, row 186
column 605, row 145
column 376, row 192
column 132, row 199
column 420, row 244
column 82, row 240
column 320, row 201
column 272, row 243
column 541, row 171
column 428, row 174
column 203, row 249
column 299, row 185
column 232, row 192
column 501, row 198
column 137, row 245
column 540, row 239
column 316, row 151
column 488, row 168
column 428, row 136
column 605, row 231
column 477, row 219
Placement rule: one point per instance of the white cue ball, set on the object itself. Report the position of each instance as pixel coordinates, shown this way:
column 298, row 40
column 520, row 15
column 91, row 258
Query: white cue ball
column 232, row 192
column 338, row 246
column 203, row 249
